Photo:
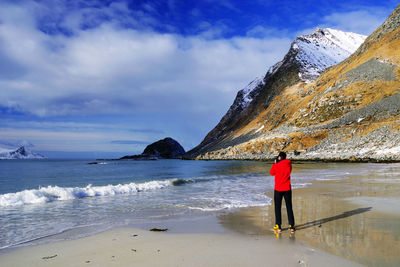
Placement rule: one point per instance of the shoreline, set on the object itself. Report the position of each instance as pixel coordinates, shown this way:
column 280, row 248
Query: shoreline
column 299, row 161
column 335, row 218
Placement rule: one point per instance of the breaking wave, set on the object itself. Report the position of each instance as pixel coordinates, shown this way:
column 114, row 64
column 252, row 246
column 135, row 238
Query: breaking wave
column 56, row 193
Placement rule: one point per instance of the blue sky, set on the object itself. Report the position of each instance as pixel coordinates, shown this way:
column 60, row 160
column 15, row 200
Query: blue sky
column 105, row 78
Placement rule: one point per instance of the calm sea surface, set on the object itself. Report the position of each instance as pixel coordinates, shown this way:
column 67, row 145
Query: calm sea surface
column 40, row 198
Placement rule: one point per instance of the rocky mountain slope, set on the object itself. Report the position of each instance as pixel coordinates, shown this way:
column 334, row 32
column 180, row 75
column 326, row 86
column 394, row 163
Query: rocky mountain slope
column 20, row 153
column 349, row 112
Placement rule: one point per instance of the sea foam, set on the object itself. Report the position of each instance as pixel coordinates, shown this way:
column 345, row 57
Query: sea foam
column 56, row 193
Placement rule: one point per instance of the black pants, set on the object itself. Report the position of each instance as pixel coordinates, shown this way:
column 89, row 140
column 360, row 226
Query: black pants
column 278, row 195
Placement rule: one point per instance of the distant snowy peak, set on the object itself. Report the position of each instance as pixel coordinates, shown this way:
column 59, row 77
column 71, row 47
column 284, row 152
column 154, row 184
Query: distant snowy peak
column 323, row 48
column 248, row 93
column 20, row 153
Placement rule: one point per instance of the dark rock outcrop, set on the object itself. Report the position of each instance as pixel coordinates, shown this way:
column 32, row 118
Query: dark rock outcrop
column 166, row 148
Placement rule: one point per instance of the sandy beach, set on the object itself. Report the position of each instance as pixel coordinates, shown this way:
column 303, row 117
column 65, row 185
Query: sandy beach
column 347, row 222
column 134, row 247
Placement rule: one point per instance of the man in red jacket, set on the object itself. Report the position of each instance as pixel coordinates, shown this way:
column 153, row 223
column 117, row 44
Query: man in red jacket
column 283, row 189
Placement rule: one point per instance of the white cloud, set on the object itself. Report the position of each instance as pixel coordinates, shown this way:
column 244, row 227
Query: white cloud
column 107, row 69
column 363, row 21
column 187, row 82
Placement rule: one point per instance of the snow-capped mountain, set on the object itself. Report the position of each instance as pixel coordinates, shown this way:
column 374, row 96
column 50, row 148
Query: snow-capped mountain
column 308, row 56
column 20, row 153
column 347, row 112
column 315, row 52
column 312, row 53
column 324, row 48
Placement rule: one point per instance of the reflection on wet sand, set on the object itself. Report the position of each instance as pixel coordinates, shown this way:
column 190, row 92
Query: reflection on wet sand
column 328, row 215
column 319, row 222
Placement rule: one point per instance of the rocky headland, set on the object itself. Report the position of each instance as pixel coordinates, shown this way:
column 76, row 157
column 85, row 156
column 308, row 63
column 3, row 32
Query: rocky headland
column 166, row 148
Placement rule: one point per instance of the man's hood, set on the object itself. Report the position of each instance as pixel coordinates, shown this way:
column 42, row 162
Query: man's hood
column 284, row 162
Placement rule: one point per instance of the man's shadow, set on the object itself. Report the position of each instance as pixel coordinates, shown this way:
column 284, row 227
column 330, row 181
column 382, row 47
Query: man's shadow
column 329, row 219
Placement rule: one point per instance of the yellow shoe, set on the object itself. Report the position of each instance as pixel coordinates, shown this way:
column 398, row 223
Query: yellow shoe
column 292, row 229
column 277, row 228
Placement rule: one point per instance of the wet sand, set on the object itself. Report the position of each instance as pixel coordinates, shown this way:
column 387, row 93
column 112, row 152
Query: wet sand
column 357, row 218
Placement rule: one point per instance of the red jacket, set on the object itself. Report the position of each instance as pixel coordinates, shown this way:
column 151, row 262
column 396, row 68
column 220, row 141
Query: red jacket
column 282, row 171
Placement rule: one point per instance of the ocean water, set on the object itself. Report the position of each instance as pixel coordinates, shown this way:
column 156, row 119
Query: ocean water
column 40, row 198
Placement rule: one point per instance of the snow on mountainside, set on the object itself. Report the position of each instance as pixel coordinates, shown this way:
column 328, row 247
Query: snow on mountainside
column 314, row 53
column 324, row 48
column 246, row 95
column 20, row 153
